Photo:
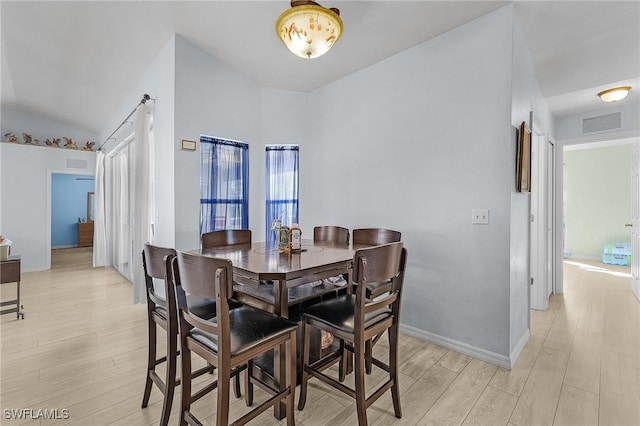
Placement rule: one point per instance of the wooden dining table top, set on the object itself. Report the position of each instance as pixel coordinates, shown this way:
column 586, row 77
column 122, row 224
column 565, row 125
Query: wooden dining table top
column 259, row 261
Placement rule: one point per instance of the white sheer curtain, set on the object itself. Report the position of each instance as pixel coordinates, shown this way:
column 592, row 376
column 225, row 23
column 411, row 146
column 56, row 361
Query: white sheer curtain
column 120, row 231
column 143, row 200
column 99, row 219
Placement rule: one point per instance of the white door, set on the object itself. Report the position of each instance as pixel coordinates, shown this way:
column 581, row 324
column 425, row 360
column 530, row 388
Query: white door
column 541, row 220
column 549, row 223
column 635, row 219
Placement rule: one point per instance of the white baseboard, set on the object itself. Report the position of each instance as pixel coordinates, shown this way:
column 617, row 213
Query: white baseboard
column 464, row 348
column 515, row 353
column 583, row 257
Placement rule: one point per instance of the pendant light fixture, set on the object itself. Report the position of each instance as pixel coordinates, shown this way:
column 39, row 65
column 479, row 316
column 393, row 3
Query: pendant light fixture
column 308, row 29
column 615, row 94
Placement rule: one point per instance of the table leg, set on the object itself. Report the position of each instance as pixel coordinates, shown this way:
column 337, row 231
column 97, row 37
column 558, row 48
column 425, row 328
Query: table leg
column 279, row 368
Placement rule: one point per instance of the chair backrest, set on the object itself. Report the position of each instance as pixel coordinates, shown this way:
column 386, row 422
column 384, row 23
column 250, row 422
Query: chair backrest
column 333, row 234
column 205, row 278
column 375, row 236
column 379, row 263
column 225, row 238
column 154, row 267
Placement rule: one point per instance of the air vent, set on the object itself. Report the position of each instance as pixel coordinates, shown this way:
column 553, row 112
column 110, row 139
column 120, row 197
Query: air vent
column 603, row 122
column 76, row 164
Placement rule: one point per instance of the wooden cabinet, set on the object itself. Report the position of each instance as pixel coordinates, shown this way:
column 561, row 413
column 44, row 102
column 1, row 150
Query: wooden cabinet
column 10, row 273
column 85, row 234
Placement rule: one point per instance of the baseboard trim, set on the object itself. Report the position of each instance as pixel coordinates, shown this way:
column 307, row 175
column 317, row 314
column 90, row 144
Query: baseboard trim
column 515, row 353
column 583, row 257
column 464, row 348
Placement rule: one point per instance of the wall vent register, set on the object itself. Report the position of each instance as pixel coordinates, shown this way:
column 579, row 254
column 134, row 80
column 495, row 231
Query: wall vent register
column 603, row 122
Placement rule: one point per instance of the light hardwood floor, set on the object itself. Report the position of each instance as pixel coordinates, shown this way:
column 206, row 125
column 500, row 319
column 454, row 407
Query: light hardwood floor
column 82, row 348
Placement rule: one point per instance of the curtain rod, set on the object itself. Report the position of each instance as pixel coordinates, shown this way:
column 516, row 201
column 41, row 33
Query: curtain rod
column 145, row 98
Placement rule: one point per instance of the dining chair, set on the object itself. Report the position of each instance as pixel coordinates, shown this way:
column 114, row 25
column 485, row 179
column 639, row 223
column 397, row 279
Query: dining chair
column 333, row 234
column 230, row 340
column 162, row 311
column 373, row 237
column 224, row 238
column 355, row 319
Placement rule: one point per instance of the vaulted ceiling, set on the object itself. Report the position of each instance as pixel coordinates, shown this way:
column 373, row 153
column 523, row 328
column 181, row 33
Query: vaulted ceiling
column 74, row 61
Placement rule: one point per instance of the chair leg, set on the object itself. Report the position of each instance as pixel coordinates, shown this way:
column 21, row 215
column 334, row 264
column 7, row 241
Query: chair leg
column 393, row 368
column 291, row 379
column 151, row 362
column 359, row 370
column 185, row 389
column 344, row 362
column 368, row 349
column 222, row 410
column 236, row 388
column 170, row 379
column 248, row 386
column 306, row 340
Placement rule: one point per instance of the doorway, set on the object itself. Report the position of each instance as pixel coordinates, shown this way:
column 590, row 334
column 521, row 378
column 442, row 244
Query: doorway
column 597, row 200
column 542, row 218
column 66, row 207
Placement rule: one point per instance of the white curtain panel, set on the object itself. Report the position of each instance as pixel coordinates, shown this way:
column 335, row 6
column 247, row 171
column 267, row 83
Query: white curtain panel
column 121, row 233
column 99, row 220
column 143, row 209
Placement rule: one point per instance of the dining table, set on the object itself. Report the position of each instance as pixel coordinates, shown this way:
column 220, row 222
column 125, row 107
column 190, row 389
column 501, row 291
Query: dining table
column 277, row 280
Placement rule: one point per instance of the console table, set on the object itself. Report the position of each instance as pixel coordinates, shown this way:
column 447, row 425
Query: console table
column 10, row 273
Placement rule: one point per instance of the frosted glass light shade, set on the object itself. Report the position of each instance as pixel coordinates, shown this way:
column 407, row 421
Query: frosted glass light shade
column 309, row 30
column 615, row 94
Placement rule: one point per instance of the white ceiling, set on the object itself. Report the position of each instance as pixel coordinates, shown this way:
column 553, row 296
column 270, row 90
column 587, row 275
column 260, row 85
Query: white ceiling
column 75, row 61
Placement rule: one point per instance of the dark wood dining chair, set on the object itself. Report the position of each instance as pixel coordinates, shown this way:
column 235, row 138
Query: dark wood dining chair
column 225, row 238
column 230, row 340
column 162, row 311
column 355, row 319
column 374, row 237
column 333, row 234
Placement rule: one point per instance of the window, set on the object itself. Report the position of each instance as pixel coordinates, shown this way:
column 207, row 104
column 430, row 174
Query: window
column 224, row 184
column 282, row 186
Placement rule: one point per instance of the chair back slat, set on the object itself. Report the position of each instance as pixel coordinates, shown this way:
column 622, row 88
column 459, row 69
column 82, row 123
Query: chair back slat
column 153, row 260
column 153, row 266
column 332, row 234
column 382, row 263
column 375, row 236
column 380, row 303
column 376, row 264
column 205, row 278
column 225, row 238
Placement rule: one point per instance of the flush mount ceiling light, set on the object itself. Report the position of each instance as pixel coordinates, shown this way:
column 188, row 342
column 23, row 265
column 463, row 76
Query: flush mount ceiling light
column 308, row 29
column 615, row 94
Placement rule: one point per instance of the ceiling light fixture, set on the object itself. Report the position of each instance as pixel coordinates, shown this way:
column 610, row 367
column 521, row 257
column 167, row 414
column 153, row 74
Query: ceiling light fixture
column 308, row 29
column 615, row 94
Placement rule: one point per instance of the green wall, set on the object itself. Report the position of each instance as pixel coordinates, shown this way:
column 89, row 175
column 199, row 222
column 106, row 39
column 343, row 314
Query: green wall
column 597, row 198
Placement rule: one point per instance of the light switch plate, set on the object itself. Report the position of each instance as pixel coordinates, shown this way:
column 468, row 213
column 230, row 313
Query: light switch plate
column 480, row 216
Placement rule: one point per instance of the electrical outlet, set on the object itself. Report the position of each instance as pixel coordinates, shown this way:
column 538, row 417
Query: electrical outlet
column 480, row 216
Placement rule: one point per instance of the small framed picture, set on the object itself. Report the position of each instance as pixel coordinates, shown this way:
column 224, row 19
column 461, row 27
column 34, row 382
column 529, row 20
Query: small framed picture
column 188, row 145
column 523, row 167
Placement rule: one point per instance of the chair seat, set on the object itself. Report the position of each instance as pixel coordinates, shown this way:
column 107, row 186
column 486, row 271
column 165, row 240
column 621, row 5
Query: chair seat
column 339, row 313
column 249, row 328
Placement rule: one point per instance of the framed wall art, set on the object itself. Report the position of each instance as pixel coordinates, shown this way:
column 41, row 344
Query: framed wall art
column 523, row 167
